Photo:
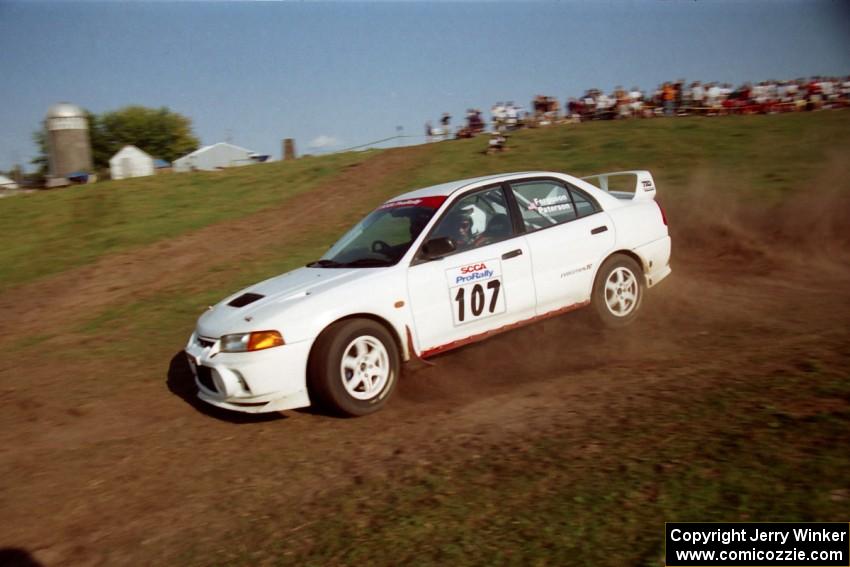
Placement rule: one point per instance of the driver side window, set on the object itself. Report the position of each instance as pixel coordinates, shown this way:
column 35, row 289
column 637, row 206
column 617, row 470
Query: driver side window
column 476, row 220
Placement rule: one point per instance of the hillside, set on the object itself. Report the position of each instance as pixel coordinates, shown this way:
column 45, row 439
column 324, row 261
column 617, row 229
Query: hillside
column 57, row 230
column 554, row 444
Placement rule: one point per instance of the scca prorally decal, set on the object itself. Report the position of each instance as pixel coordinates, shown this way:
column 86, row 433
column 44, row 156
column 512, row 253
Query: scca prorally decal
column 479, row 271
column 577, row 270
column 472, row 273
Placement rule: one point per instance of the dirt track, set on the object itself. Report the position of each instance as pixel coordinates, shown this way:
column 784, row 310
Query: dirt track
column 127, row 477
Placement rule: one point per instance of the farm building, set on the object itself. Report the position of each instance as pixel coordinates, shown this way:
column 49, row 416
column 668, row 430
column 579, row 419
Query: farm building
column 6, row 183
column 130, row 162
column 217, row 156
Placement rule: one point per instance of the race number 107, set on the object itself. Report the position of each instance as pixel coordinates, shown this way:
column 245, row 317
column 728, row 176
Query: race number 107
column 478, row 300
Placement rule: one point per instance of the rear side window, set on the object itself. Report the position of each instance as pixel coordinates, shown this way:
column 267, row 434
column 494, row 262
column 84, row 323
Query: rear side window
column 543, row 203
column 584, row 206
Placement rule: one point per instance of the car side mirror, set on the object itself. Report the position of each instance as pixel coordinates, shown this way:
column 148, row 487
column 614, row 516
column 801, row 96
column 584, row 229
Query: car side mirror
column 438, row 247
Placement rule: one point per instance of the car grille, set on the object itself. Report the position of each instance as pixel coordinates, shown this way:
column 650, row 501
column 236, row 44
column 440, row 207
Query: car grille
column 205, row 378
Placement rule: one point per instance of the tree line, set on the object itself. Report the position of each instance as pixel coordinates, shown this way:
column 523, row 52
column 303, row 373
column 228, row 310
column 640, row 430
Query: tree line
column 158, row 131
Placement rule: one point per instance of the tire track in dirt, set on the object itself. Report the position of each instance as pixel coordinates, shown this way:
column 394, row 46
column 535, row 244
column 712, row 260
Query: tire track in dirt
column 53, row 302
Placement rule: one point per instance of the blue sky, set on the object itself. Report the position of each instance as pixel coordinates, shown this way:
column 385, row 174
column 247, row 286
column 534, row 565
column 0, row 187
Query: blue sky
column 342, row 74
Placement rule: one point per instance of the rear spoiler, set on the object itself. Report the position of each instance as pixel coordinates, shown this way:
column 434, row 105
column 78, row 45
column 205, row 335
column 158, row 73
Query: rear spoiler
column 644, row 187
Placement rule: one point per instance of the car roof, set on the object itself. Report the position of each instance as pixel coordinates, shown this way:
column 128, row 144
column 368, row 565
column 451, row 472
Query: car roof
column 446, row 189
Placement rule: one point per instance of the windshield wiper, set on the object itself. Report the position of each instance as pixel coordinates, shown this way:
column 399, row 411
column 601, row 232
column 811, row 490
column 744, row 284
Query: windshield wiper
column 325, row 264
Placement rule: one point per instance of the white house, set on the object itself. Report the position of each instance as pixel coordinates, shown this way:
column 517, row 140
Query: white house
column 130, row 162
column 6, row 183
column 217, row 156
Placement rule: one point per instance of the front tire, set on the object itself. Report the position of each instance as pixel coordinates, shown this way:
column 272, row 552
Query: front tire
column 618, row 291
column 354, row 367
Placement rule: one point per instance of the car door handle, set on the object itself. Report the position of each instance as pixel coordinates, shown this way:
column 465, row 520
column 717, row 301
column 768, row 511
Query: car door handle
column 511, row 254
column 599, row 230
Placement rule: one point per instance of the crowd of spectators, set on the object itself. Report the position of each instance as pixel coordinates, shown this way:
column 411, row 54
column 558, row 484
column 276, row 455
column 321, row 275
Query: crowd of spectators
column 675, row 98
column 679, row 98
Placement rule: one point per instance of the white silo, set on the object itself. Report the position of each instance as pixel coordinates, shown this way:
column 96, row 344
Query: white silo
column 68, row 143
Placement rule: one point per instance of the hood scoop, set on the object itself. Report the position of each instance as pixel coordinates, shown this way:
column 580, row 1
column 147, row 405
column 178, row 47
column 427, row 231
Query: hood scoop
column 245, row 299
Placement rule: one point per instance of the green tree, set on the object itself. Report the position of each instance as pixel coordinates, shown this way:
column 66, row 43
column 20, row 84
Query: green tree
column 40, row 139
column 158, row 131
column 101, row 150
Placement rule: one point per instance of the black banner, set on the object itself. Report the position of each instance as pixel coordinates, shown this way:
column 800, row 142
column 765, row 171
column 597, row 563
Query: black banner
column 758, row 544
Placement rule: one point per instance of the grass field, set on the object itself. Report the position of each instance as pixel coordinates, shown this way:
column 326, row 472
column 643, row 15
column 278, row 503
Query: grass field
column 53, row 231
column 743, row 415
column 605, row 503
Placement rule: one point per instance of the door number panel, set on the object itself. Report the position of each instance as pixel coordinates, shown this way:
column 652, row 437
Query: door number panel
column 476, row 291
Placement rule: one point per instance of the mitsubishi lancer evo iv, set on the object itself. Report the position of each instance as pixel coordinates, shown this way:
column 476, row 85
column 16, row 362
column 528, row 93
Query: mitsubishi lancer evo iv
column 427, row 272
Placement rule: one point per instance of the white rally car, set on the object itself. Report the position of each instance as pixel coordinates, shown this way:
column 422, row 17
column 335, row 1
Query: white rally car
column 429, row 271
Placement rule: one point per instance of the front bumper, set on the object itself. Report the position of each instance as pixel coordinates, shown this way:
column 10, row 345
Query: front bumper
column 255, row 382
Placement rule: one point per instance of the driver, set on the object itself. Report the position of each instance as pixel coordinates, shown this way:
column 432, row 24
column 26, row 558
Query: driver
column 461, row 230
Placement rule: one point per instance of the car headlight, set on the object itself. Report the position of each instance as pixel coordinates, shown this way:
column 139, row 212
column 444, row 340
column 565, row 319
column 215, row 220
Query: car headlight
column 247, row 342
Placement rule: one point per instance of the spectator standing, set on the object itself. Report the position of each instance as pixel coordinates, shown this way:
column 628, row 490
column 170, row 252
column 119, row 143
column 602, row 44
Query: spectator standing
column 783, row 96
column 759, row 94
column 574, row 110
column 511, row 115
column 554, row 109
column 603, row 105
column 713, row 98
column 498, row 112
column 636, row 101
column 813, row 94
column 474, row 123
column 668, row 96
column 657, row 100
column 678, row 95
column 725, row 91
column 623, row 109
column 827, row 90
column 796, row 95
column 772, row 93
column 445, row 123
column 697, row 96
column 590, row 103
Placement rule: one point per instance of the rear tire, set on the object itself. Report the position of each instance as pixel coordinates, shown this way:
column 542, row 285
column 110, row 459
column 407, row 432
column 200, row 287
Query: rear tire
column 618, row 291
column 354, row 367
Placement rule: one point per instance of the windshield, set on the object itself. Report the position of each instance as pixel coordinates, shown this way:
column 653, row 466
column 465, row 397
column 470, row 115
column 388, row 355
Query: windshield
column 383, row 237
